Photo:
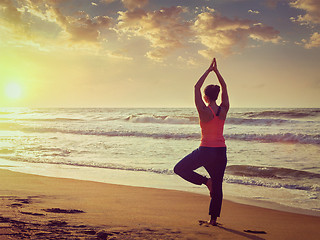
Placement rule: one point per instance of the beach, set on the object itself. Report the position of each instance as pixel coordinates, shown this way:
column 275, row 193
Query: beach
column 102, row 173
column 273, row 154
column 38, row 207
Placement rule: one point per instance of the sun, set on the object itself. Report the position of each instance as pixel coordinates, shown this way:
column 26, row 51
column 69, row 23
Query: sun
column 13, row 90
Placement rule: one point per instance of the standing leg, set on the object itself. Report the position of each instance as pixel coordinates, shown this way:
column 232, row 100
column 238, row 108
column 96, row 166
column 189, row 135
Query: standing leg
column 216, row 167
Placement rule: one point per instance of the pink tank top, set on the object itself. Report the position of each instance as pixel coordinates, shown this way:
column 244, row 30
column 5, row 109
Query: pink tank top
column 212, row 132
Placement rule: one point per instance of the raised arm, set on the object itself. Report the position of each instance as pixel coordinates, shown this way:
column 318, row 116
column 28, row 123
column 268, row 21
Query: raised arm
column 224, row 95
column 204, row 113
column 197, row 91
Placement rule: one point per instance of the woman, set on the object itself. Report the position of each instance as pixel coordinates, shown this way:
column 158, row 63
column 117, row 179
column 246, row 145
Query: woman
column 212, row 151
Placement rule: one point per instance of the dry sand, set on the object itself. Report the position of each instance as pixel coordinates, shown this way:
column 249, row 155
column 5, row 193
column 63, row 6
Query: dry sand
column 36, row 207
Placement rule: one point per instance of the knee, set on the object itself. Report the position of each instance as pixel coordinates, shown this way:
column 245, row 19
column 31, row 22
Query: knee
column 177, row 169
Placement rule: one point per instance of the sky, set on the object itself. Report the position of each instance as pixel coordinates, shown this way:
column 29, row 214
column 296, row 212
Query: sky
column 147, row 53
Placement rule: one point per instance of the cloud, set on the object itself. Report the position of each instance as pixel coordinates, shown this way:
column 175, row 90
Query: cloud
column 311, row 18
column 10, row 12
column 132, row 4
column 164, row 29
column 221, row 34
column 264, row 33
column 253, row 12
column 107, row 1
column 120, row 53
column 272, row 3
column 312, row 8
column 77, row 28
column 86, row 29
column 167, row 31
column 314, row 41
column 189, row 61
column 11, row 17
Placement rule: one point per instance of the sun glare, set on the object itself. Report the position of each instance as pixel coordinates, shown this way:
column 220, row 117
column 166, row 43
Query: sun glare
column 13, row 90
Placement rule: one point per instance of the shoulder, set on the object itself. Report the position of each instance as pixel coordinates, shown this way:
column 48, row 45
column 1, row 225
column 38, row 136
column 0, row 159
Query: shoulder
column 223, row 112
column 205, row 114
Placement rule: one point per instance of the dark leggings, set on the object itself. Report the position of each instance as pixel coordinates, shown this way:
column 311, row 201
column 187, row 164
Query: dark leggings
column 214, row 160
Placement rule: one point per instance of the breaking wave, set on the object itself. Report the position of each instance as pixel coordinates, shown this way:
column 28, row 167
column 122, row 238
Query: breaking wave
column 270, row 172
column 278, row 137
column 163, row 119
column 287, row 113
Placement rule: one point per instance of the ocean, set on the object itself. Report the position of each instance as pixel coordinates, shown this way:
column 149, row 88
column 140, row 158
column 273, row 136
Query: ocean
column 273, row 154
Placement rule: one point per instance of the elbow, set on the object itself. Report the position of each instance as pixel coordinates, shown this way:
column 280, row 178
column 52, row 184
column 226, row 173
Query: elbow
column 225, row 105
column 223, row 86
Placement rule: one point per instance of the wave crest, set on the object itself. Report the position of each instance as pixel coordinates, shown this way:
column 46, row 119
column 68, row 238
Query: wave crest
column 278, row 137
column 289, row 113
column 270, row 172
column 256, row 122
column 271, row 177
column 163, row 120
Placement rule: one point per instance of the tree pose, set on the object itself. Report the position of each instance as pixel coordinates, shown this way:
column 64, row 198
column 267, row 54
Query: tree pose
column 211, row 153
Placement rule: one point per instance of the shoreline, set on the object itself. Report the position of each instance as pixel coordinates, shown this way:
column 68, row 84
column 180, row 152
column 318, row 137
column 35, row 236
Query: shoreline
column 272, row 206
column 51, row 171
column 43, row 207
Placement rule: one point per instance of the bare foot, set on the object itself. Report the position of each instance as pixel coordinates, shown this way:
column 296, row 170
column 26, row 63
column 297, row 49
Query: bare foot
column 213, row 222
column 209, row 185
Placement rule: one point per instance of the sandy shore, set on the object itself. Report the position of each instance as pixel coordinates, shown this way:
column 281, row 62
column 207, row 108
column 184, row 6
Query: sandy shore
column 35, row 207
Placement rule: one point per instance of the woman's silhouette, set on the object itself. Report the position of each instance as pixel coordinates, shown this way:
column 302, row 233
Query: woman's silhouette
column 212, row 151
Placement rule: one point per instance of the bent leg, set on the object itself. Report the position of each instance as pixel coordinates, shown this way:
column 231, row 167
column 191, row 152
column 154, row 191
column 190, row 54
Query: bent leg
column 185, row 168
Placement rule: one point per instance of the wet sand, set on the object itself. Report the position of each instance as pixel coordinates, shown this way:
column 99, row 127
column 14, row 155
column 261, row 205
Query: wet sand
column 36, row 207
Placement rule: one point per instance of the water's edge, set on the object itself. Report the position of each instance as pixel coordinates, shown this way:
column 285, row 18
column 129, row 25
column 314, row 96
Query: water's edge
column 14, row 167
